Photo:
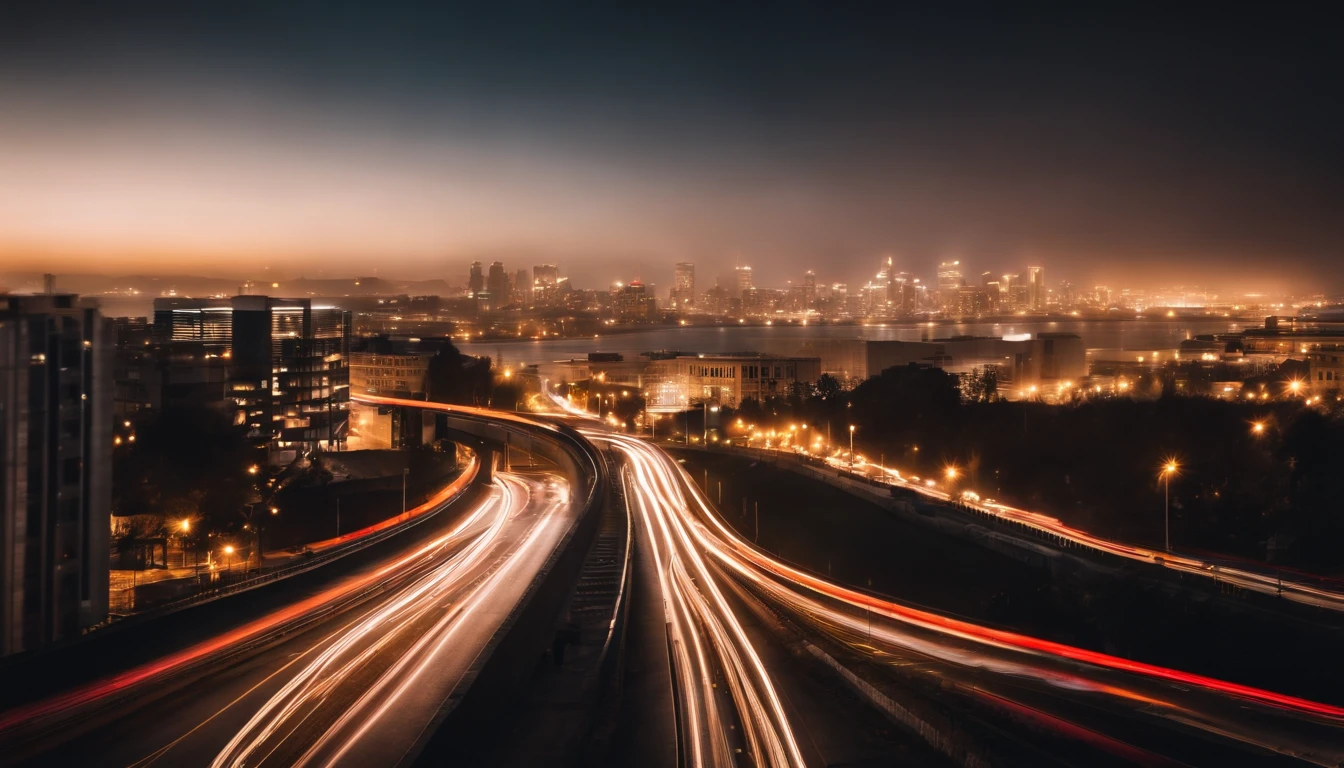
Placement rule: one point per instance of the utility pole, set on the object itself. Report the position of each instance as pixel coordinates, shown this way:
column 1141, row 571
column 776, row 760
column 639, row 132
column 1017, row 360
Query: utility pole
column 704, row 422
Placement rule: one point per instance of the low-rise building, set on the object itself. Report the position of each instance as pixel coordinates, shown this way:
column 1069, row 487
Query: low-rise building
column 1040, row 360
column 728, row 379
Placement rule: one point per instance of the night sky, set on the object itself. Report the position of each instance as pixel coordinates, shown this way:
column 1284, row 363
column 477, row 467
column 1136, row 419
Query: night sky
column 339, row 139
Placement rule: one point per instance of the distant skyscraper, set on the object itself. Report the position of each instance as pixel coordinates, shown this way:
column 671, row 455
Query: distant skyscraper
column 522, row 288
column 634, row 302
column 809, row 290
column 545, row 285
column 683, row 286
column 903, row 295
column 1036, row 288
column 744, row 282
column 949, row 283
column 497, row 285
column 55, row 468
column 1009, row 290
column 475, row 280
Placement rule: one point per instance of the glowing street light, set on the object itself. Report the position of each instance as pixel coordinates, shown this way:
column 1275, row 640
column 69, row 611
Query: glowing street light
column 228, row 551
column 1168, row 469
column 252, row 470
column 1258, row 428
column 1295, row 386
column 185, row 526
column 851, row 447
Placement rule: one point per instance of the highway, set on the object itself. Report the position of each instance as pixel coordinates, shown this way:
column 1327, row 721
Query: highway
column 726, row 702
column 360, row 687
column 1322, row 593
column 1128, row 709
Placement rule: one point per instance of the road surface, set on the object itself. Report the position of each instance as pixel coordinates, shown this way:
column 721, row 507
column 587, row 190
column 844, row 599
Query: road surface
column 364, row 685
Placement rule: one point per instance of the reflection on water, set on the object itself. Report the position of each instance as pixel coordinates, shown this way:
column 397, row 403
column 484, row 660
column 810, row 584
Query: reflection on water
column 1138, row 335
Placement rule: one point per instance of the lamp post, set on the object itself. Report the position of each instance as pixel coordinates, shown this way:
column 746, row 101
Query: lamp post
column 851, row 447
column 1168, row 470
column 228, row 557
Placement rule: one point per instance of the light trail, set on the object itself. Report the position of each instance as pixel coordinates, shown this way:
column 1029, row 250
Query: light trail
column 1261, row 581
column 1266, row 719
column 707, row 640
column 48, row 713
column 350, row 649
column 1245, row 578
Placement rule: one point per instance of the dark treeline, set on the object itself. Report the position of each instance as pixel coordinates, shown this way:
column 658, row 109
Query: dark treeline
column 1095, row 463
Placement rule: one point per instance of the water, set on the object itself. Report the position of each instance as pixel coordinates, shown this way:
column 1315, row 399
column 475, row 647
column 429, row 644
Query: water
column 1099, row 336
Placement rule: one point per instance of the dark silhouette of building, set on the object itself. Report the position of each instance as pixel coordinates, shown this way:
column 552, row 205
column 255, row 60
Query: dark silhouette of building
column 55, row 468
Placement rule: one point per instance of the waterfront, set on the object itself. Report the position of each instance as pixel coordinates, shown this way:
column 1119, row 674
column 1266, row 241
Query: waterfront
column 1099, row 336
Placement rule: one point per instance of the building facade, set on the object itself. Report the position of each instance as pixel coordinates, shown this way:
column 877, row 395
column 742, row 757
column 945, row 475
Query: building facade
column 634, row 302
column 1036, row 293
column 729, row 379
column 545, row 285
column 287, row 362
column 683, row 287
column 55, row 468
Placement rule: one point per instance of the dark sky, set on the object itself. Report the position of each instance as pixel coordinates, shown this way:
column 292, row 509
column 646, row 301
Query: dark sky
column 344, row 138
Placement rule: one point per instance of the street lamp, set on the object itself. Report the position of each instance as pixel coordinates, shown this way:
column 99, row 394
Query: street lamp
column 851, row 447
column 228, row 551
column 1168, row 469
column 1258, row 428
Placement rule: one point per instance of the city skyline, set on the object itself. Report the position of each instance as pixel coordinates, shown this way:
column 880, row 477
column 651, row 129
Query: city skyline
column 381, row 141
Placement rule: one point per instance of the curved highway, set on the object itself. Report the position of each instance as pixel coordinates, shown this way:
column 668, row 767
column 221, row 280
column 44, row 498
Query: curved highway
column 1126, row 708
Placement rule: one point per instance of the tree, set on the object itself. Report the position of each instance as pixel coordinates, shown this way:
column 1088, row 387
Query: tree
column 827, row 387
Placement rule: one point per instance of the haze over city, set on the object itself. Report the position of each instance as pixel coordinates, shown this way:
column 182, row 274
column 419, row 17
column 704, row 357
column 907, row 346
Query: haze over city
column 409, row 142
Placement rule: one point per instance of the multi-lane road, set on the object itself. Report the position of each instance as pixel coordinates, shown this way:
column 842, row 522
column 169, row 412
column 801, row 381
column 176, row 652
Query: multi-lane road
column 1115, row 706
column 364, row 687
column 362, row 671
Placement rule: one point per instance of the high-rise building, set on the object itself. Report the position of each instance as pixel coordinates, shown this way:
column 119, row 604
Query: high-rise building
column 809, row 290
column 976, row 302
column 903, row 296
column 1036, row 294
column 949, row 283
column 634, row 302
column 1009, row 286
column 497, row 285
column 56, row 417
column 475, row 280
column 683, row 286
column 545, row 285
column 744, row 283
column 522, row 288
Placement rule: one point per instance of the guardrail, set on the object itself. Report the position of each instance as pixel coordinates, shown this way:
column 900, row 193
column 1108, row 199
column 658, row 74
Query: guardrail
column 350, row 543
column 1250, row 587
